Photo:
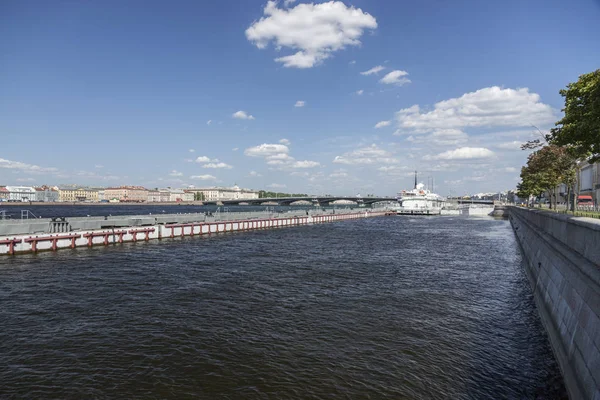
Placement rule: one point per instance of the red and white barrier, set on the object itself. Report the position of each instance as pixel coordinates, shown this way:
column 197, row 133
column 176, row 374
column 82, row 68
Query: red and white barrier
column 19, row 244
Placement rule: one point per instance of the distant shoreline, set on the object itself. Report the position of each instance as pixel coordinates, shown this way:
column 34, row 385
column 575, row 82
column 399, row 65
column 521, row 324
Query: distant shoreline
column 63, row 203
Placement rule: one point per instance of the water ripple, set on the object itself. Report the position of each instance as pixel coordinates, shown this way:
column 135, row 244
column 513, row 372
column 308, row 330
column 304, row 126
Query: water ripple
column 382, row 308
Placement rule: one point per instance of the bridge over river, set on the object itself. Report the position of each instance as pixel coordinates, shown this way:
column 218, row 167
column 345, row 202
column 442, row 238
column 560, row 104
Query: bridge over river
column 316, row 200
column 326, row 200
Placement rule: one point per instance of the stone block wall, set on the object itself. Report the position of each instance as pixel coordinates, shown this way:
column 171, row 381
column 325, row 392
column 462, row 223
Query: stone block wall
column 562, row 256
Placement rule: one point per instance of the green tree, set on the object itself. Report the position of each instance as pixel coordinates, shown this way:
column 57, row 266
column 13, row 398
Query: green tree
column 546, row 169
column 199, row 196
column 262, row 194
column 579, row 129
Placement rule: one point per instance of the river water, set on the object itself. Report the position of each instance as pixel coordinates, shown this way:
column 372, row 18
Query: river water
column 380, row 308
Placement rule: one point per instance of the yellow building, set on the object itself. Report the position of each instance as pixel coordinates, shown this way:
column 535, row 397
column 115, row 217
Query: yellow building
column 72, row 195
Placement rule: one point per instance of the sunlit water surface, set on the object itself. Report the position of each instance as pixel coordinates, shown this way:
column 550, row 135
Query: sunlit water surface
column 392, row 307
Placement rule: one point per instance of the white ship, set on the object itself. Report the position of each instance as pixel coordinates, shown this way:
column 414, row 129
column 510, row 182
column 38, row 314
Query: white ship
column 419, row 201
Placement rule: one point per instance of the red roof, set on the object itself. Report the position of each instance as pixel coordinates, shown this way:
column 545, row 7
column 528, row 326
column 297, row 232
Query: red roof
column 584, row 197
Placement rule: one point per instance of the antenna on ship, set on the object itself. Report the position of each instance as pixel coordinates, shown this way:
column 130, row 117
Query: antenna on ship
column 415, row 179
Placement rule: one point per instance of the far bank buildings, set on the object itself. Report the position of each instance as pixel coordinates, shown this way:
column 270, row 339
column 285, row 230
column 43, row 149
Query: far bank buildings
column 128, row 194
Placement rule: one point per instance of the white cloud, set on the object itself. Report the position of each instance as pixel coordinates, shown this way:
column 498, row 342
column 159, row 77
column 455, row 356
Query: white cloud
column 441, row 137
column 98, row 166
column 203, row 177
column 352, row 62
column 315, row 31
column 514, row 145
column 192, row 150
column 360, row 92
column 302, row 60
column 209, row 122
column 95, row 175
column 254, row 174
column 266, row 150
column 175, row 173
column 396, row 77
column 235, row 149
column 365, row 156
column 202, row 159
column 302, row 174
column 277, row 185
column 299, row 103
column 217, row 165
column 393, row 168
column 305, row 164
column 24, row 167
column 25, row 180
column 280, row 156
column 276, row 162
column 339, row 174
column 373, row 70
column 242, row 115
column 382, row 124
column 288, row 2
column 487, row 107
column 462, row 153
column 277, row 156
column 509, row 169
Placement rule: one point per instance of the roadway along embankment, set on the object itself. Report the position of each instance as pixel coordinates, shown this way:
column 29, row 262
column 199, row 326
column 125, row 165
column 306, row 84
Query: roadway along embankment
column 562, row 257
column 128, row 229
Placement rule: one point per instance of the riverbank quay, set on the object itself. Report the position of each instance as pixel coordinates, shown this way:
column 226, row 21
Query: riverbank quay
column 562, row 256
column 19, row 204
column 33, row 235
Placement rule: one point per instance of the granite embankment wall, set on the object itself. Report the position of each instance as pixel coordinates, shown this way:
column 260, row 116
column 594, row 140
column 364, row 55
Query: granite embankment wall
column 119, row 230
column 562, row 256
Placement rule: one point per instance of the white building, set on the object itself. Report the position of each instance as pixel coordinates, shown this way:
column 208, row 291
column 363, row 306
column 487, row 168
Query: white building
column 21, row 193
column 226, row 193
column 175, row 195
column 46, row 194
column 188, row 196
column 153, row 196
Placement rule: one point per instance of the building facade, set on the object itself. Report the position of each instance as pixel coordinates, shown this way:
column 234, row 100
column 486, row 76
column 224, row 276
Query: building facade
column 4, row 193
column 153, row 196
column 46, row 194
column 165, row 196
column 226, row 193
column 130, row 194
column 589, row 181
column 175, row 195
column 21, row 193
column 188, row 196
column 68, row 194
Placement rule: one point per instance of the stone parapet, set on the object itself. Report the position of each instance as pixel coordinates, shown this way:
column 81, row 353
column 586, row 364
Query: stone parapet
column 562, row 257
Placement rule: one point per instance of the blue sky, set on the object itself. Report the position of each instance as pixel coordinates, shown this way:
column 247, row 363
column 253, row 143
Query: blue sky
column 110, row 92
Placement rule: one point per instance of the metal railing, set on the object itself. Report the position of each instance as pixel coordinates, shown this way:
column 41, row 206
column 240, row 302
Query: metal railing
column 26, row 214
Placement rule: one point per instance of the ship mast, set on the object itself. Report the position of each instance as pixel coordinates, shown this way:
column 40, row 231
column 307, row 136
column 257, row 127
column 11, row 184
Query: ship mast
column 415, row 179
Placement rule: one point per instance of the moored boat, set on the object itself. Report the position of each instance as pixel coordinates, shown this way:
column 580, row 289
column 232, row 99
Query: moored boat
column 419, row 201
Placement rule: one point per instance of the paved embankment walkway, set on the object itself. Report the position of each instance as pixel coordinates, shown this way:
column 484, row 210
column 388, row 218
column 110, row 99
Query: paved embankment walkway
column 27, row 236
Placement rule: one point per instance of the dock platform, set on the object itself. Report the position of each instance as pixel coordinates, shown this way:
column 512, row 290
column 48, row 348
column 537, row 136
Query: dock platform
column 33, row 235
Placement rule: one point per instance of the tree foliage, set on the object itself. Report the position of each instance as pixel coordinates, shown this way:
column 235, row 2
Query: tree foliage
column 199, row 196
column 264, row 194
column 579, row 129
column 546, row 168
